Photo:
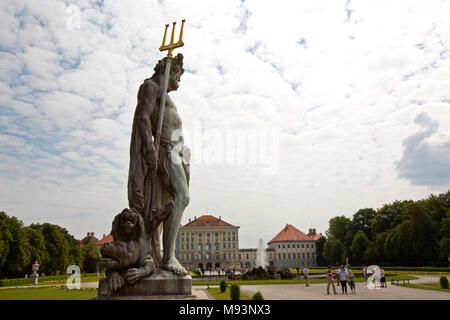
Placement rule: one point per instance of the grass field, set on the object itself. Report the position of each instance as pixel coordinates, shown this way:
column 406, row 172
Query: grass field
column 427, row 286
column 46, row 294
column 60, row 281
column 225, row 295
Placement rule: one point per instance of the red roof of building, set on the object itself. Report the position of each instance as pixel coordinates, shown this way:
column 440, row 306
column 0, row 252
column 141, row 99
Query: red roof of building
column 291, row 233
column 207, row 221
column 108, row 238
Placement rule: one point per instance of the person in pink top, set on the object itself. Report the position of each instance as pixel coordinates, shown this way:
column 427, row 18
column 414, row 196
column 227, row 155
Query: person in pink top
column 330, row 280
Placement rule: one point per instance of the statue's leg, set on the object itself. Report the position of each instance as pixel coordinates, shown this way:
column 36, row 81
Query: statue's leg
column 178, row 183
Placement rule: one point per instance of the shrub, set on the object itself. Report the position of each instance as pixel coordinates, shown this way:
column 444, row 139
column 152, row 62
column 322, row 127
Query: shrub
column 223, row 286
column 444, row 282
column 257, row 296
column 235, row 292
column 286, row 274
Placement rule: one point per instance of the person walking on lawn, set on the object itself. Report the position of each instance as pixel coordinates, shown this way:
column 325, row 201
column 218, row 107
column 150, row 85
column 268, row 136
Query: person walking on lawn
column 343, row 276
column 330, row 280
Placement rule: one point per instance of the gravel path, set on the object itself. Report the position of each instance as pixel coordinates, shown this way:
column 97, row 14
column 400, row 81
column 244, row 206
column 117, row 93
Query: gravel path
column 319, row 292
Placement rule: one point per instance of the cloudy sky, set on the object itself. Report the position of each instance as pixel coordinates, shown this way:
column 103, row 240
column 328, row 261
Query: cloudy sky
column 349, row 99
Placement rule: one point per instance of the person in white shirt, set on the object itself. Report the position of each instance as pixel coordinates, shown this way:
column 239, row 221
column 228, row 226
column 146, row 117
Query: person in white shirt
column 306, row 275
column 343, row 276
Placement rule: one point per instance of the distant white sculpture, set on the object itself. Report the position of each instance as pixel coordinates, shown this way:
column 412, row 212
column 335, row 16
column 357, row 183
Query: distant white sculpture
column 34, row 276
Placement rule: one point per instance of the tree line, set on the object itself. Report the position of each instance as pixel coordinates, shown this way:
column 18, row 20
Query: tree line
column 51, row 245
column 404, row 233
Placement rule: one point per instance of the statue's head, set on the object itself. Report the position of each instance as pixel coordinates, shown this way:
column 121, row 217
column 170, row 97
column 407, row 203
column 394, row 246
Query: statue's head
column 176, row 70
column 127, row 225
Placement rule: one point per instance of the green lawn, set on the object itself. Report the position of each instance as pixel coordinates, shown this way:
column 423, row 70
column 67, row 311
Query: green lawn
column 427, row 286
column 225, row 295
column 46, row 294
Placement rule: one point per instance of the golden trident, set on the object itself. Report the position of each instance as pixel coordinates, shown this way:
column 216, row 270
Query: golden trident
column 172, row 45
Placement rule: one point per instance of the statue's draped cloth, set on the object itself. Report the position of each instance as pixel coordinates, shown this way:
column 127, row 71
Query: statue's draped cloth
column 139, row 176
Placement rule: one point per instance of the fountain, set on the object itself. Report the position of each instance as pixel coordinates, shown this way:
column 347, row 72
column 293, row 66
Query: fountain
column 261, row 270
column 261, row 255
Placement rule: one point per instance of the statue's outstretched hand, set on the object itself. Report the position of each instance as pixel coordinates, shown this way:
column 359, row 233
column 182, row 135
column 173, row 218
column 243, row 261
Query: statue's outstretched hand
column 133, row 275
column 115, row 281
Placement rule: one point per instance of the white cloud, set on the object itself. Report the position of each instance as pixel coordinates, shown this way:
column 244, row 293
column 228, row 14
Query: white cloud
column 343, row 87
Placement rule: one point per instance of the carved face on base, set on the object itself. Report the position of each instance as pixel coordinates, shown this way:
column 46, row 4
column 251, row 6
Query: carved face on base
column 127, row 225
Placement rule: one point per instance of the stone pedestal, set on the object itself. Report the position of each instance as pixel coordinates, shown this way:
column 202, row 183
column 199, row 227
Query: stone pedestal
column 34, row 278
column 160, row 284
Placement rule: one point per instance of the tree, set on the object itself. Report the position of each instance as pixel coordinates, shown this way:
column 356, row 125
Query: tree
column 359, row 246
column 63, row 249
column 379, row 253
column 13, row 244
column 338, row 228
column 444, row 249
column 398, row 245
column 362, row 221
column 438, row 207
column 422, row 232
column 369, row 254
column 37, row 249
column 445, row 227
column 6, row 238
column 320, row 243
column 334, row 252
column 91, row 256
column 388, row 216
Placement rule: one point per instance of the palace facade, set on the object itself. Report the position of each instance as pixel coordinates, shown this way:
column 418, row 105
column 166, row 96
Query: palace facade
column 208, row 242
column 293, row 248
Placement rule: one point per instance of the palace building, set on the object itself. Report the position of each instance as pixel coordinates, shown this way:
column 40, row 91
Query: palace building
column 208, row 242
column 293, row 248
